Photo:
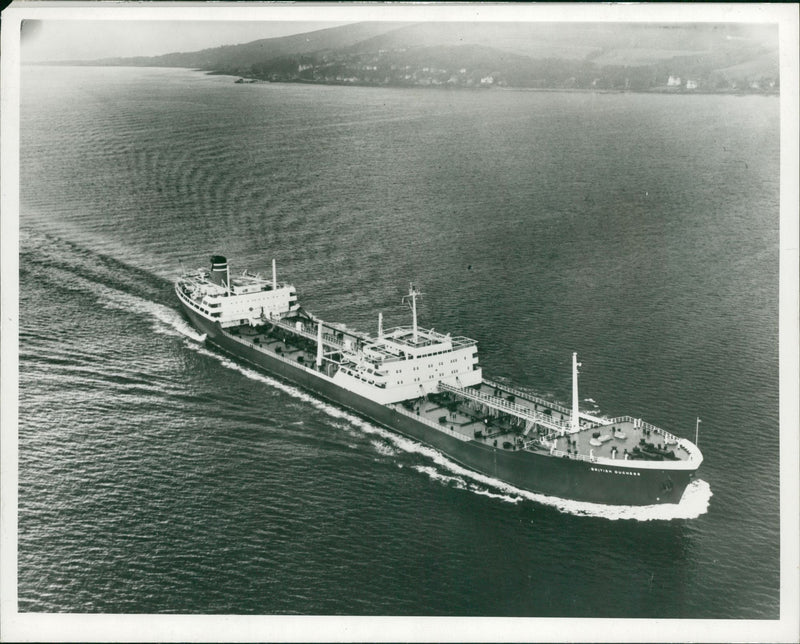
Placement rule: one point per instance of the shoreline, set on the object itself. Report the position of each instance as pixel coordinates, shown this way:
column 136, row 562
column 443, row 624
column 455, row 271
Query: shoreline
column 249, row 80
column 245, row 80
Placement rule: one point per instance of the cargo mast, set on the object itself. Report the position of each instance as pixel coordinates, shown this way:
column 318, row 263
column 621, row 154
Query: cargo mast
column 575, row 417
column 412, row 295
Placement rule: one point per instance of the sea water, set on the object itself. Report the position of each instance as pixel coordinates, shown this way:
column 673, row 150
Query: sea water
column 158, row 475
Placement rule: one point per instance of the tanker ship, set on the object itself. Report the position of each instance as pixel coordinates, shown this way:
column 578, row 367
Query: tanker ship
column 429, row 386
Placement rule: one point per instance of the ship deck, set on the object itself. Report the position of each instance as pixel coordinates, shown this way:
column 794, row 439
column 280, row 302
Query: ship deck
column 620, row 438
column 617, row 440
column 478, row 422
column 460, row 417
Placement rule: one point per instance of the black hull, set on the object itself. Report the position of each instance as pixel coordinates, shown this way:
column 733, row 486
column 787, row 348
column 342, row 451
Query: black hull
column 537, row 472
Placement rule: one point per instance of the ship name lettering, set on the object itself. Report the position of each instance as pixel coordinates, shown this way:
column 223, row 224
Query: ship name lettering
column 608, row 470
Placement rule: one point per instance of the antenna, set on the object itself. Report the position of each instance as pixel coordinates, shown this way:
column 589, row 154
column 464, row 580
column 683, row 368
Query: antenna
column 412, row 296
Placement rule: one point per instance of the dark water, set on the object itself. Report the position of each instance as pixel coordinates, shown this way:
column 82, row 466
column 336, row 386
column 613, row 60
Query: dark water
column 158, row 476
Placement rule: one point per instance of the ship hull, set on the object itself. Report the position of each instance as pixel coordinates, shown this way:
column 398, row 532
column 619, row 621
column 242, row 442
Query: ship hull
column 537, row 472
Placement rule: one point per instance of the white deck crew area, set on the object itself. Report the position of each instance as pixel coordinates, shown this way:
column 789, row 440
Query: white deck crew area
column 408, row 362
column 405, row 363
column 238, row 299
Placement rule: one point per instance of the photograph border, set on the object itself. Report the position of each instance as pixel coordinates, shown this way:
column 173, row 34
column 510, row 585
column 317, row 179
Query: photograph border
column 16, row 626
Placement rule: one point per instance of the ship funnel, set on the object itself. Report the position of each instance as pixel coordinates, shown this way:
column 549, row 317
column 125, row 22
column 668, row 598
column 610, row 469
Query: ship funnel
column 219, row 270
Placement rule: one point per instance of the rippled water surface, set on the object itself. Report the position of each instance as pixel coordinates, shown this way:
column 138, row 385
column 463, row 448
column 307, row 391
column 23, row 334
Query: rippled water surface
column 157, row 475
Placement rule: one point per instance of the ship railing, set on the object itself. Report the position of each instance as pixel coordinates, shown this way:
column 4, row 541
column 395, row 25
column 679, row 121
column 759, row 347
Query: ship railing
column 528, row 396
column 504, row 405
column 190, row 297
column 422, row 341
column 429, row 337
column 576, row 457
column 690, row 448
column 305, row 366
column 437, row 426
column 541, row 441
column 670, row 438
column 391, row 358
column 307, row 331
column 596, row 424
column 188, row 284
column 202, row 282
column 461, row 341
column 384, row 357
column 599, row 422
column 551, row 436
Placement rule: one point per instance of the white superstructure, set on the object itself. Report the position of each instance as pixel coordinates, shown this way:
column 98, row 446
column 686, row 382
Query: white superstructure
column 400, row 364
column 408, row 362
column 394, row 367
column 235, row 300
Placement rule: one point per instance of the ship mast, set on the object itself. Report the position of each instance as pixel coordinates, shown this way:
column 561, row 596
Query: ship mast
column 380, row 325
column 274, row 276
column 575, row 418
column 412, row 295
column 319, row 344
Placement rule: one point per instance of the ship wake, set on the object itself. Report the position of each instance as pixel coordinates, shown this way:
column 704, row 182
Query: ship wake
column 165, row 320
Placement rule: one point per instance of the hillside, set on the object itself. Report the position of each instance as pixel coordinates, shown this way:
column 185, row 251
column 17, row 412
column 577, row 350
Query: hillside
column 242, row 57
column 630, row 56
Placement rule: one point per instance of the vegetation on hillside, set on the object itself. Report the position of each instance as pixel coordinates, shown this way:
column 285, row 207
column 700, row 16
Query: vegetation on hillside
column 634, row 57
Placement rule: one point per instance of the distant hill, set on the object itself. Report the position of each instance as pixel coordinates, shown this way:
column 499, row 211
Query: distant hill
column 628, row 56
column 243, row 57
